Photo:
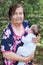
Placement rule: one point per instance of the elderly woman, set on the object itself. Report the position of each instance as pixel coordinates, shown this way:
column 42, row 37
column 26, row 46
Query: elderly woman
column 11, row 37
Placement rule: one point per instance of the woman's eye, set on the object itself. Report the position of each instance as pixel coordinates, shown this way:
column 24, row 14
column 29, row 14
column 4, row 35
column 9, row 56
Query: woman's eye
column 19, row 13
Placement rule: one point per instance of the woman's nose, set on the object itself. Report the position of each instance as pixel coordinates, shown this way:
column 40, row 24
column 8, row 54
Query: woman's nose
column 18, row 15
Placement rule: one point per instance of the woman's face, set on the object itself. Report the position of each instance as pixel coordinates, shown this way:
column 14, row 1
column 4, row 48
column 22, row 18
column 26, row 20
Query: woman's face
column 18, row 16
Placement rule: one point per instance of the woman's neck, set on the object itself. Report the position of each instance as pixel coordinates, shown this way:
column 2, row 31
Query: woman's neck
column 18, row 29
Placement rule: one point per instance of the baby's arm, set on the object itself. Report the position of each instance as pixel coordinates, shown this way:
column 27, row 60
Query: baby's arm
column 26, row 39
column 21, row 51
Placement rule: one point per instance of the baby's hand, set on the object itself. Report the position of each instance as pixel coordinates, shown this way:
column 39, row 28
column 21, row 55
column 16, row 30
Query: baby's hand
column 37, row 39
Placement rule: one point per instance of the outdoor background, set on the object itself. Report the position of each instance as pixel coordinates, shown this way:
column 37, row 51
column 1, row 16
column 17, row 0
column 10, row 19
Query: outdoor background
column 34, row 14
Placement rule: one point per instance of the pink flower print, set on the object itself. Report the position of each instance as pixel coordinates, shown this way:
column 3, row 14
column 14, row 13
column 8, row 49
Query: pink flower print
column 10, row 44
column 11, row 48
column 2, row 48
column 8, row 32
column 10, row 62
column 15, row 48
column 4, row 37
column 18, row 42
column 5, row 61
column 14, row 37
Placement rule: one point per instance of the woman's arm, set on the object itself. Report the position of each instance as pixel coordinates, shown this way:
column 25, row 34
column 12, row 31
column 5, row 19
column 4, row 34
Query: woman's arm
column 15, row 57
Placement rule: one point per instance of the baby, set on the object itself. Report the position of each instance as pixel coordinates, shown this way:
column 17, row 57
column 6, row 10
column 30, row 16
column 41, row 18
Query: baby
column 29, row 46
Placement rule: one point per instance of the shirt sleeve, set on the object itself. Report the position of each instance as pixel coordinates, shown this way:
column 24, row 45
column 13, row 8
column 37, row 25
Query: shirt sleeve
column 5, row 44
column 26, row 25
column 28, row 38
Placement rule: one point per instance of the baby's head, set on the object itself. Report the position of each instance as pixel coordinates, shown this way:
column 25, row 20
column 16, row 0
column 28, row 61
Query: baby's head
column 35, row 29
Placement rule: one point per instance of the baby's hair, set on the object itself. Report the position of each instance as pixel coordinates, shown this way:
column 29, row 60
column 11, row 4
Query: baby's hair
column 36, row 29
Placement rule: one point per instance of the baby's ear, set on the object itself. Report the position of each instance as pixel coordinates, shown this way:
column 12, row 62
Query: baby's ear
column 39, row 28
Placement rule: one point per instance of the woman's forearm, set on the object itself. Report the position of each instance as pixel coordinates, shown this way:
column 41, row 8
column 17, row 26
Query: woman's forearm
column 15, row 57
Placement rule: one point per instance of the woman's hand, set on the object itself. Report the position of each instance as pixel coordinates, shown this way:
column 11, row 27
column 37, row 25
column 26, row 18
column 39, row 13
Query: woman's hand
column 29, row 58
column 37, row 39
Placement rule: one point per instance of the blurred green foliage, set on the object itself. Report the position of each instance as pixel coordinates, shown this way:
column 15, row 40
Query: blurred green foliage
column 33, row 13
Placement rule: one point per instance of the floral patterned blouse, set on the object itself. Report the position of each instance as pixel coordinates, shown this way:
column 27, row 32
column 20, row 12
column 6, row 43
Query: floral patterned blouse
column 10, row 41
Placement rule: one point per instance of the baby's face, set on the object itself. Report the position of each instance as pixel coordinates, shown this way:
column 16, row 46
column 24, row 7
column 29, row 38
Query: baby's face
column 35, row 29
